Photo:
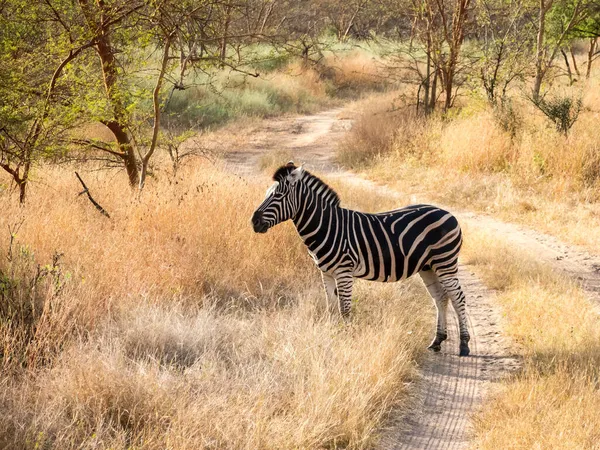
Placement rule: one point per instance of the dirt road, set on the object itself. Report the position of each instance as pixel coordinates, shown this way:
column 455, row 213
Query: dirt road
column 450, row 388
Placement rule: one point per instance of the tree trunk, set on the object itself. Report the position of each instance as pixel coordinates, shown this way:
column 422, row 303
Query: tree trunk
column 156, row 106
column 20, row 181
column 433, row 91
column 455, row 41
column 128, row 154
column 427, row 75
column 223, row 53
column 22, row 191
column 591, row 51
column 448, row 80
column 118, row 124
column 540, row 69
column 305, row 54
column 412, row 35
column 351, row 21
column 575, row 68
column 545, row 55
column 568, row 66
column 448, row 89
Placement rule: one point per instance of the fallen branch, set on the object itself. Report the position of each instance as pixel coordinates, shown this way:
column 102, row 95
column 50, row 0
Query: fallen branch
column 94, row 202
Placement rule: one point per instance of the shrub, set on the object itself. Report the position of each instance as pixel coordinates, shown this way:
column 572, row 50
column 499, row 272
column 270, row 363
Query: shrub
column 34, row 318
column 562, row 111
column 507, row 117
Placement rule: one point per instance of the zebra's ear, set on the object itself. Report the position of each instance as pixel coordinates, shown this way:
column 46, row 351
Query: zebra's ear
column 295, row 175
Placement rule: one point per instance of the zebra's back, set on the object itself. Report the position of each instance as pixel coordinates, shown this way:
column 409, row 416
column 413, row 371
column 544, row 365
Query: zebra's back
column 394, row 245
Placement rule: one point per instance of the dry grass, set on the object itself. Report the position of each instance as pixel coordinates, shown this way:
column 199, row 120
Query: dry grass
column 376, row 133
column 355, row 72
column 476, row 140
column 530, row 173
column 172, row 325
column 270, row 161
column 554, row 401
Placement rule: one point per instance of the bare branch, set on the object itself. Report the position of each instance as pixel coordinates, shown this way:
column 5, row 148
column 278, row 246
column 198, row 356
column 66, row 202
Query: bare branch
column 94, row 202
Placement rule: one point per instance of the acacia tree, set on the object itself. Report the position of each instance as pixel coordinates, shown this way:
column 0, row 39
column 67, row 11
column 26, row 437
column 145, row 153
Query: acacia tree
column 505, row 36
column 128, row 33
column 424, row 26
column 98, row 54
column 555, row 22
column 454, row 35
column 441, row 26
column 589, row 29
column 343, row 15
column 301, row 29
column 36, row 109
column 104, row 21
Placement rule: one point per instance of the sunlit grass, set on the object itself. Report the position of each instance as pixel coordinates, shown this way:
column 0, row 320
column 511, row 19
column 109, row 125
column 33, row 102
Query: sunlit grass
column 553, row 401
column 178, row 327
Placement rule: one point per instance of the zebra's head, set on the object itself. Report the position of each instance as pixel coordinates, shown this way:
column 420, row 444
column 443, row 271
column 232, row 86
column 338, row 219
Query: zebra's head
column 280, row 203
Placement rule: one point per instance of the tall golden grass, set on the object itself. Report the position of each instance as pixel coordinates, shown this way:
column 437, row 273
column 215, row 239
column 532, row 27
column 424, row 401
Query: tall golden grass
column 475, row 140
column 354, row 72
column 173, row 325
column 553, row 401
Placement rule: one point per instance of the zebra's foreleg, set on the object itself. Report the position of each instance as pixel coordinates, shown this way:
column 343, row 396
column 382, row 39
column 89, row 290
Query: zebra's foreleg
column 330, row 290
column 440, row 298
column 344, row 289
column 457, row 296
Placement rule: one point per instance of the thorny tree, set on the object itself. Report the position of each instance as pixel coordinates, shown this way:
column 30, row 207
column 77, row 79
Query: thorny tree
column 37, row 107
column 440, row 26
column 555, row 22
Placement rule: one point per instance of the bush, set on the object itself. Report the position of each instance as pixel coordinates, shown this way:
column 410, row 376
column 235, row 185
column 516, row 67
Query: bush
column 34, row 320
column 508, row 117
column 562, row 111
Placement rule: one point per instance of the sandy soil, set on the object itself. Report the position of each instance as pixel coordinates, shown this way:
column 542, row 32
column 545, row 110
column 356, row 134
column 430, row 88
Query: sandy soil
column 450, row 388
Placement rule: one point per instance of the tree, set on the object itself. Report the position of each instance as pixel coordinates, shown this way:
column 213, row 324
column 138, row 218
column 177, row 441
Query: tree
column 441, row 27
column 103, row 21
column 556, row 21
column 589, row 29
column 36, row 110
column 194, row 34
column 344, row 15
column 505, row 39
column 454, row 35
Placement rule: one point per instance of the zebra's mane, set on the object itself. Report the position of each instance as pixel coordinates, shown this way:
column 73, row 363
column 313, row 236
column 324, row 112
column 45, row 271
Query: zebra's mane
column 315, row 185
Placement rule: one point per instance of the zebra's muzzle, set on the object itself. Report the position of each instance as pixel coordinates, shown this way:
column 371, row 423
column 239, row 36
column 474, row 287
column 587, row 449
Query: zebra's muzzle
column 258, row 224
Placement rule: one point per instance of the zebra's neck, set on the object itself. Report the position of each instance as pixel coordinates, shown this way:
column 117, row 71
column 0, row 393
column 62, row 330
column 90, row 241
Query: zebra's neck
column 317, row 203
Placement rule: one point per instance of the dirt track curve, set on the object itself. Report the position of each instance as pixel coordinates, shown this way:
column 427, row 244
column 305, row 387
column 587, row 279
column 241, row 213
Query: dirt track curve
column 450, row 388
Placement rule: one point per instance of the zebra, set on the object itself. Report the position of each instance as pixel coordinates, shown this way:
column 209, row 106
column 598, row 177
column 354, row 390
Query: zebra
column 387, row 246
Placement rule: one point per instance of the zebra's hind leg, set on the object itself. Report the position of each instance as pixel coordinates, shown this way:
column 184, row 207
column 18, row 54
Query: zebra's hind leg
column 457, row 296
column 440, row 298
column 345, row 281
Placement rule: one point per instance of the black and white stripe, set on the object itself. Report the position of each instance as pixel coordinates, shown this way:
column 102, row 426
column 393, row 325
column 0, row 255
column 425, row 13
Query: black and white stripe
column 388, row 246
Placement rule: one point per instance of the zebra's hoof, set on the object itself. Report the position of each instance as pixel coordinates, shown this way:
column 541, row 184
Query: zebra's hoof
column 435, row 347
column 464, row 350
